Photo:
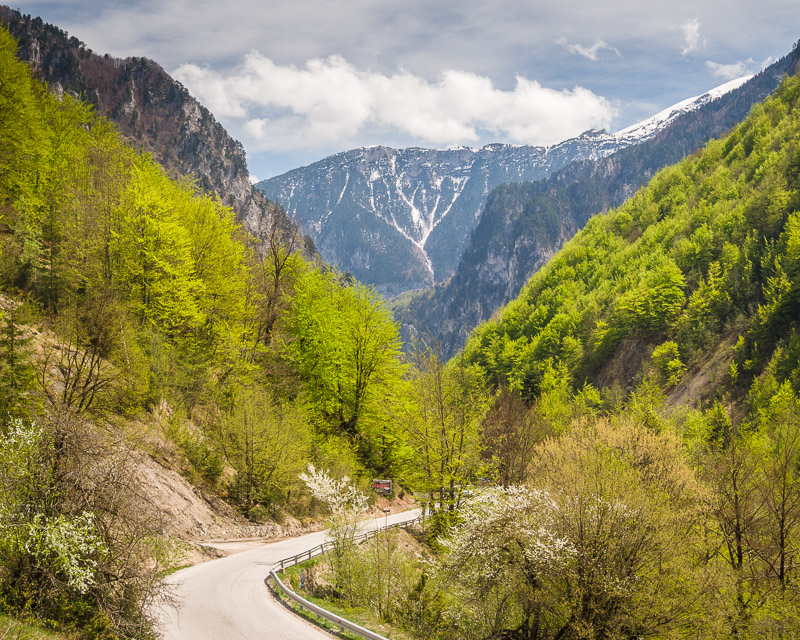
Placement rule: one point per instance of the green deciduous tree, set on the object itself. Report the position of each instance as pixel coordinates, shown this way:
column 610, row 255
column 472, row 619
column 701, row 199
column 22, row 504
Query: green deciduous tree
column 777, row 481
column 601, row 545
column 344, row 345
column 666, row 359
column 156, row 252
column 442, row 423
column 266, row 441
column 17, row 369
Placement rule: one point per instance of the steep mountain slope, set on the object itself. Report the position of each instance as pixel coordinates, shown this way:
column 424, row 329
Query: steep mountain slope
column 523, row 225
column 137, row 330
column 400, row 218
column 151, row 110
column 699, row 269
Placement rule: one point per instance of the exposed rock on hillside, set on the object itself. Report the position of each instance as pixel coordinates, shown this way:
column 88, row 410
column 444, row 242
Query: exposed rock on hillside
column 400, row 218
column 152, row 110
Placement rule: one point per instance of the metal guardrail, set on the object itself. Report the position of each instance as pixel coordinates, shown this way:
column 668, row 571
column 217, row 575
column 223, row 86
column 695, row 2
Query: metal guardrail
column 324, row 613
column 284, row 564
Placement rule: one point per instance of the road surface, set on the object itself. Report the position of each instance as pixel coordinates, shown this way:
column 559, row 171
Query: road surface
column 226, row 599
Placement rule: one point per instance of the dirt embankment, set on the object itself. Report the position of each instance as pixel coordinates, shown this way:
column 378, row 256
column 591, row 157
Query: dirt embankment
column 706, row 379
column 195, row 515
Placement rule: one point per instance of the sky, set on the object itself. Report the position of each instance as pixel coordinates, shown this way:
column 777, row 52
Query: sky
column 296, row 81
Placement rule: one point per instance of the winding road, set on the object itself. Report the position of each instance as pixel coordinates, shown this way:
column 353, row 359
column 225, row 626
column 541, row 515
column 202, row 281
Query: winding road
column 226, row 599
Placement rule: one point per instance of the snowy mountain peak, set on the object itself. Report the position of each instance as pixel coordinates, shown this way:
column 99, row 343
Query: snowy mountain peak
column 401, row 218
column 646, row 129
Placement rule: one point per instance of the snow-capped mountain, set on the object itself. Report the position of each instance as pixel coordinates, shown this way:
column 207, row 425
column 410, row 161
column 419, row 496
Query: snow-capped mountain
column 523, row 225
column 648, row 128
column 401, row 218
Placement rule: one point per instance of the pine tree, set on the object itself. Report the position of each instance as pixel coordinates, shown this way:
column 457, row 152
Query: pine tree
column 17, row 373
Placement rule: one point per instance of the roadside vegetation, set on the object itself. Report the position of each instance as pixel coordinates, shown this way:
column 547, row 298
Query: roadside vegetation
column 11, row 629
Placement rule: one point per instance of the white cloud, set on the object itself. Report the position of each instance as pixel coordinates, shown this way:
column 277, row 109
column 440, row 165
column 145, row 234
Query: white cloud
column 332, row 102
column 730, row 71
column 592, row 53
column 691, row 36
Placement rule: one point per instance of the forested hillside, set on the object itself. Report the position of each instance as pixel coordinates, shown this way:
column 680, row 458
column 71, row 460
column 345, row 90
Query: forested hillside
column 524, row 224
column 639, row 464
column 707, row 251
column 687, row 292
column 152, row 111
column 138, row 317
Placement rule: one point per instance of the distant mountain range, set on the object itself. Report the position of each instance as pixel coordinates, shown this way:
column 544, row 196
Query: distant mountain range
column 401, row 218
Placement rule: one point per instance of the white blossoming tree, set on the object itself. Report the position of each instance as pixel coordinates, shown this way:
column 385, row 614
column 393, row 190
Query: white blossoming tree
column 76, row 536
column 502, row 554
column 604, row 543
column 67, row 547
column 345, row 504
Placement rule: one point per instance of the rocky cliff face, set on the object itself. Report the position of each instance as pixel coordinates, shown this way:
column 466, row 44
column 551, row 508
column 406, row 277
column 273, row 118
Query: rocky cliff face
column 401, row 218
column 150, row 109
column 523, row 225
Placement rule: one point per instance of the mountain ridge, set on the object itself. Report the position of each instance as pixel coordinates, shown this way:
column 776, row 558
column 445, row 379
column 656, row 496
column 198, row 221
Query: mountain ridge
column 412, row 209
column 523, row 225
column 151, row 110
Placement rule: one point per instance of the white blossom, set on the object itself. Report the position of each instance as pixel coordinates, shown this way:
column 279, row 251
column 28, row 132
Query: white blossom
column 68, row 543
column 340, row 496
column 503, row 530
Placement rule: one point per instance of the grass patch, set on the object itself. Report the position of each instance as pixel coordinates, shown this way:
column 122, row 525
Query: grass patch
column 168, row 572
column 312, row 617
column 359, row 615
column 13, row 629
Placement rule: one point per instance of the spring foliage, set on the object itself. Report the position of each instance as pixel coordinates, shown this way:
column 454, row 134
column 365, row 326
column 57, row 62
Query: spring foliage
column 143, row 296
column 710, row 244
column 650, row 376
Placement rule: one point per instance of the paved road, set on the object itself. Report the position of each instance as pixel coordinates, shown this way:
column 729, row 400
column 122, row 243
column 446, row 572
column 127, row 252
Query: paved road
column 226, row 599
